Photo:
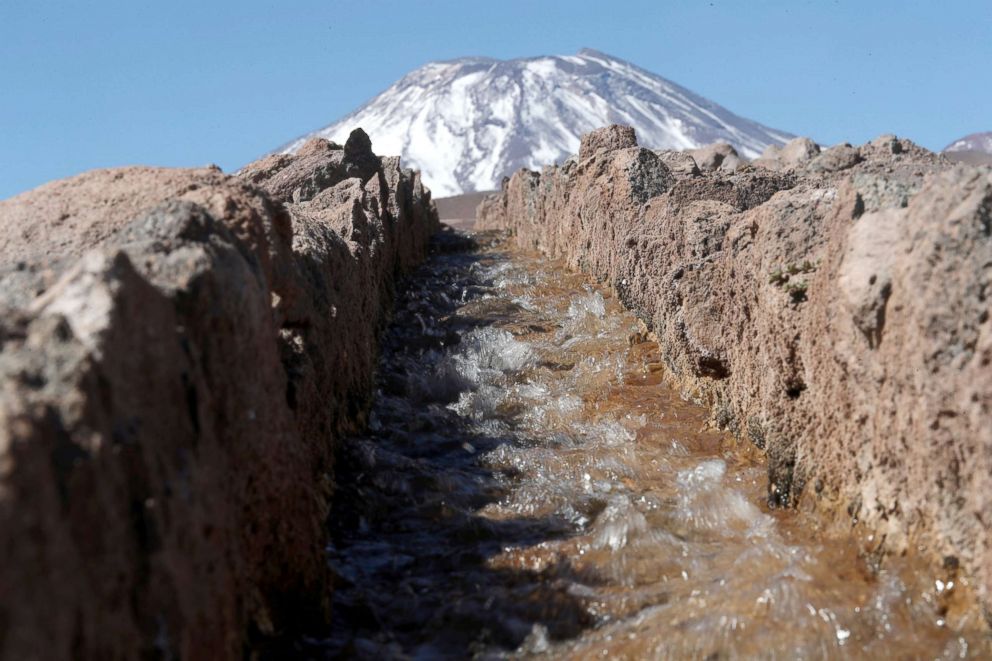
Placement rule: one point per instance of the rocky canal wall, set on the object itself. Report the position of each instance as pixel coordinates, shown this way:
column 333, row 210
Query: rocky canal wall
column 830, row 306
column 179, row 349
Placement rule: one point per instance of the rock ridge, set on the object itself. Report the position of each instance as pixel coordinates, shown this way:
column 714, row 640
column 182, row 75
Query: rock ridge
column 829, row 305
column 179, row 351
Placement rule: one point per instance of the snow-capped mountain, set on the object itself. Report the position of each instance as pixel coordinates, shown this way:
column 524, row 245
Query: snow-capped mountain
column 980, row 142
column 466, row 123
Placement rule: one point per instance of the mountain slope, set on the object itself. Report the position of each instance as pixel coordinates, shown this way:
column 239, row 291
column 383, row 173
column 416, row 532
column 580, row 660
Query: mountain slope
column 974, row 149
column 466, row 123
column 975, row 142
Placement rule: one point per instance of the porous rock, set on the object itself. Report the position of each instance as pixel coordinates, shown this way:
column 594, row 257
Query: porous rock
column 680, row 163
column 711, row 157
column 835, row 313
column 179, row 351
column 610, row 138
column 791, row 155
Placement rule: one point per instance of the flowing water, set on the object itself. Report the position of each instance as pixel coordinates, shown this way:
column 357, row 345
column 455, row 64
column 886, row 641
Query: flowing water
column 530, row 487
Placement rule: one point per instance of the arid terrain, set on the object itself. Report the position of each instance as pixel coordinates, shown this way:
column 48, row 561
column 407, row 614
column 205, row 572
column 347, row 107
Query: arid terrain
column 830, row 306
column 180, row 351
column 641, row 403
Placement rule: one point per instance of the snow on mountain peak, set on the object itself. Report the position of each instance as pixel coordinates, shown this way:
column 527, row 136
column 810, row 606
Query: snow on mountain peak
column 466, row 123
column 979, row 142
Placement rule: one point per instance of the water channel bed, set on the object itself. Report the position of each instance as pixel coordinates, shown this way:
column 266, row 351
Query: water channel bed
column 530, row 487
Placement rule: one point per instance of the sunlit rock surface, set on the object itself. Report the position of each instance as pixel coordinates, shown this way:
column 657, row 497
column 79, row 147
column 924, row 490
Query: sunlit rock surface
column 830, row 306
column 179, row 351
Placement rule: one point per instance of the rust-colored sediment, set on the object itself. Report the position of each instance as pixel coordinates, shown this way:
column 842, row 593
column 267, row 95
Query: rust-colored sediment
column 531, row 486
column 830, row 307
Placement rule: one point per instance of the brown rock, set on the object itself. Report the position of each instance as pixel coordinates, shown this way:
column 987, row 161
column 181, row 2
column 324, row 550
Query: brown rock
column 835, row 159
column 798, row 151
column 318, row 165
column 680, row 163
column 833, row 314
column 732, row 163
column 792, row 154
column 711, row 157
column 610, row 138
column 886, row 144
column 769, row 158
column 741, row 190
column 170, row 401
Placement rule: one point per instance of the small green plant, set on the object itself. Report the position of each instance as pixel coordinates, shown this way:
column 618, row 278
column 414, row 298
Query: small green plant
column 806, row 267
column 782, row 277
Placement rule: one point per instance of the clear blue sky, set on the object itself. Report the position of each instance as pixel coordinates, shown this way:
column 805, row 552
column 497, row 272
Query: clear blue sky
column 97, row 84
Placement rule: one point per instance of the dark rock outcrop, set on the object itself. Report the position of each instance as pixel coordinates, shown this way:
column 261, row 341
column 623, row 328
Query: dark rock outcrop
column 832, row 309
column 178, row 353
